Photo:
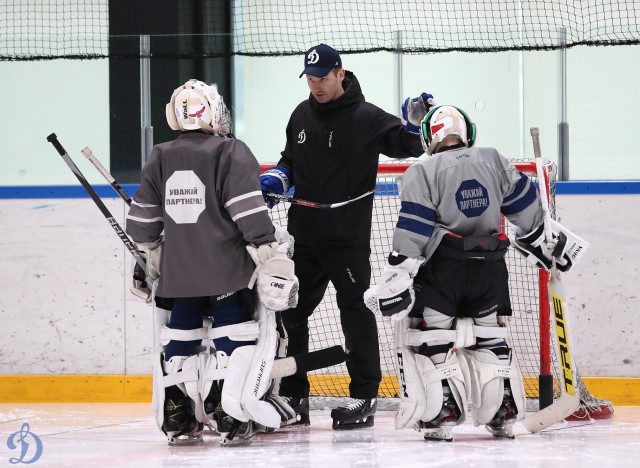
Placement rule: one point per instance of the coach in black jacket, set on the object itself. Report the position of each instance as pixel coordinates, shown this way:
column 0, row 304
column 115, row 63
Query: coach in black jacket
column 334, row 139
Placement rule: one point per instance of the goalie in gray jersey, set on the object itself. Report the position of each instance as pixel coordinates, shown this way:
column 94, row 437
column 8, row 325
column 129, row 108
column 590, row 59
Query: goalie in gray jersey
column 446, row 282
column 200, row 220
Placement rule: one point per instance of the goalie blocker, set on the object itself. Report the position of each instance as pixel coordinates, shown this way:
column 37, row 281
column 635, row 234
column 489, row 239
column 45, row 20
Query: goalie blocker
column 566, row 248
column 394, row 296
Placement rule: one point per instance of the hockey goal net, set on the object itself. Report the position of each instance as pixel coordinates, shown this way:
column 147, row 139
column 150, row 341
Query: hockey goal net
column 530, row 326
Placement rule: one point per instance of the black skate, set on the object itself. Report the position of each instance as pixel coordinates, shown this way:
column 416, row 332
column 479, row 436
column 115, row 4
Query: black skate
column 300, row 408
column 180, row 423
column 356, row 415
column 288, row 414
column 501, row 426
column 439, row 428
column 232, row 431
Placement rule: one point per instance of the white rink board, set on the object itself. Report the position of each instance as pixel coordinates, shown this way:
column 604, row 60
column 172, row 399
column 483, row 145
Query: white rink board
column 66, row 309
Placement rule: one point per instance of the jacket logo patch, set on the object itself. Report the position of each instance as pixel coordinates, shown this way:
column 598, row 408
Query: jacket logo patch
column 302, row 137
column 330, row 138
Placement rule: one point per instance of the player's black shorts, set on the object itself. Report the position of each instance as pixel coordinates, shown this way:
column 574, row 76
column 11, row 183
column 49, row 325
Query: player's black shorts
column 459, row 285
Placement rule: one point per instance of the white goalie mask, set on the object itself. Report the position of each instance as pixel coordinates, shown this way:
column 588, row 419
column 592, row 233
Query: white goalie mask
column 198, row 106
column 442, row 122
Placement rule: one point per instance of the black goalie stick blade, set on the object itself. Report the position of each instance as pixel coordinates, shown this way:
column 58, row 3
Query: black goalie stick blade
column 307, row 362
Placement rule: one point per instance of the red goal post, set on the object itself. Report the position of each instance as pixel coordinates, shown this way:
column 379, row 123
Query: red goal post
column 530, row 326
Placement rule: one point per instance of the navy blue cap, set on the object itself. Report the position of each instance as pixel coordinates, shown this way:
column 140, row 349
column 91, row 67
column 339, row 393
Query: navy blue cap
column 320, row 60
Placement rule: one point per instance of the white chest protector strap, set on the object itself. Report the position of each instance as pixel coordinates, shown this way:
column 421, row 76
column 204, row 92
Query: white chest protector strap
column 249, row 375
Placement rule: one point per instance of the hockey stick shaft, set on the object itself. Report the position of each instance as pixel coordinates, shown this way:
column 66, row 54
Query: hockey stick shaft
column 569, row 400
column 109, row 178
column 53, row 139
column 542, row 183
column 308, row 362
column 310, row 204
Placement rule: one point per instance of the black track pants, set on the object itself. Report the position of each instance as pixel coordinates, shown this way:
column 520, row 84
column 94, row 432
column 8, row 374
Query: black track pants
column 349, row 270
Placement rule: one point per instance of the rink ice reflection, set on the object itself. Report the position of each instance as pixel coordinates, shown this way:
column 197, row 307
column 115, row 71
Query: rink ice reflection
column 95, row 435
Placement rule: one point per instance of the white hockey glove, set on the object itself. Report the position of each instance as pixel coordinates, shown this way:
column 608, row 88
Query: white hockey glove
column 394, row 296
column 414, row 110
column 141, row 285
column 276, row 281
column 566, row 247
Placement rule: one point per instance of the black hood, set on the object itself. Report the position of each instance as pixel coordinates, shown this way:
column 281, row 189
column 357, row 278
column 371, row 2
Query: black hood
column 352, row 95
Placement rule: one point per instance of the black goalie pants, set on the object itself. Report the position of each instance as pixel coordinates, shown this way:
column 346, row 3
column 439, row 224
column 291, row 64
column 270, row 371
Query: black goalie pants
column 349, row 270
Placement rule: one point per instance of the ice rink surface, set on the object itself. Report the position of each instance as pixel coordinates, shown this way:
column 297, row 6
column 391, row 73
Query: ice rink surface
column 115, row 435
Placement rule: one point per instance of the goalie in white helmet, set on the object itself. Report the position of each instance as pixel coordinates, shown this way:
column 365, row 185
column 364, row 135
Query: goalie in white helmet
column 446, row 282
column 200, row 220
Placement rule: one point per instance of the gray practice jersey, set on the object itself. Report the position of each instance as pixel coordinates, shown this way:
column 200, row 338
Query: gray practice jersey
column 203, row 191
column 462, row 191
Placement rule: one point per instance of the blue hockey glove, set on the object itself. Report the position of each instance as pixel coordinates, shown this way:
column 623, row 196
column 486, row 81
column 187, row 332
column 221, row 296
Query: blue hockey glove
column 414, row 110
column 275, row 180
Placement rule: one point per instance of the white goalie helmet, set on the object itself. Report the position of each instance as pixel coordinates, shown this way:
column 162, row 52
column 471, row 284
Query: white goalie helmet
column 442, row 122
column 198, row 106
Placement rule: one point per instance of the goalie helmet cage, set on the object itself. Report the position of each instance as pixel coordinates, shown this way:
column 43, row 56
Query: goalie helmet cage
column 530, row 327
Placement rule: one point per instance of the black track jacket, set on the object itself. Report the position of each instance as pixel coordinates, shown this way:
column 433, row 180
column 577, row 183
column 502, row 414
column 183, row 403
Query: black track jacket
column 332, row 152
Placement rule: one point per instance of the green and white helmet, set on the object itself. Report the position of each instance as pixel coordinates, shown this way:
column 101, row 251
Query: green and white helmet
column 445, row 121
column 198, row 106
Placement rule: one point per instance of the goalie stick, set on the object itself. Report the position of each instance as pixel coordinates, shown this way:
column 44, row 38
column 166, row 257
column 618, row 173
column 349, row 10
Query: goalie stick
column 53, row 139
column 569, row 400
column 282, row 367
column 101, row 169
column 310, row 204
column 307, row 362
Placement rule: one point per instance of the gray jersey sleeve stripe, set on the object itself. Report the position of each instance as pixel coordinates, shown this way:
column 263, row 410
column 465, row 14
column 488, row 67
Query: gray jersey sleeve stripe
column 144, row 220
column 143, row 205
column 521, row 203
column 249, row 212
column 243, row 197
column 415, row 226
column 150, row 212
column 518, row 189
column 245, row 204
column 418, row 210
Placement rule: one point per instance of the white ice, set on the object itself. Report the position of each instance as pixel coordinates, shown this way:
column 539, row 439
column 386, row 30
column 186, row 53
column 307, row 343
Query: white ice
column 109, row 435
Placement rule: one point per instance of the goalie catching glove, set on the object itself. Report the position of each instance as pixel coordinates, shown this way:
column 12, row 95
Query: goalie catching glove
column 276, row 281
column 394, row 296
column 566, row 248
column 142, row 284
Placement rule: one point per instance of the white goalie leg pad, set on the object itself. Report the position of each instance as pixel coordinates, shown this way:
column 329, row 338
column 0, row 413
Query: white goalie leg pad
column 160, row 320
column 412, row 396
column 183, row 371
column 420, row 381
column 432, row 379
column 249, row 375
column 488, row 374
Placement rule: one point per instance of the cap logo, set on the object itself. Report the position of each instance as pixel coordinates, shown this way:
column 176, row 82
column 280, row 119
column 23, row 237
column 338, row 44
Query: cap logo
column 436, row 128
column 199, row 113
column 313, row 57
